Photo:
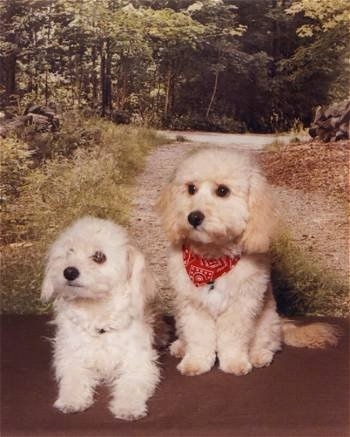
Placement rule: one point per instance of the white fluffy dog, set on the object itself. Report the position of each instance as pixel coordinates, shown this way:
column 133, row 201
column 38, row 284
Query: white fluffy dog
column 101, row 288
column 218, row 213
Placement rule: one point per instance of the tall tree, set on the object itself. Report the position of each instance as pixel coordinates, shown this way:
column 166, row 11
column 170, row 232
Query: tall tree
column 209, row 64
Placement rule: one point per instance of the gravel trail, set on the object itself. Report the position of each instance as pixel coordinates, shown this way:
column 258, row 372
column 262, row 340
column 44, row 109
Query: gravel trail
column 144, row 223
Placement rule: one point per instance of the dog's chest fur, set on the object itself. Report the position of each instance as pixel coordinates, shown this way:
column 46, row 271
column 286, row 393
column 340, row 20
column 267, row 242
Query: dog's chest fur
column 214, row 297
column 101, row 338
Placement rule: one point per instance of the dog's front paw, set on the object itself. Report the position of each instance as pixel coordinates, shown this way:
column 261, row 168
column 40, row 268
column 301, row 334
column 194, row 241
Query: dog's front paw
column 192, row 365
column 177, row 348
column 236, row 365
column 261, row 358
column 128, row 411
column 72, row 405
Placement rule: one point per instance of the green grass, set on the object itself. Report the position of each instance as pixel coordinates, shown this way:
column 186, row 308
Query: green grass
column 303, row 286
column 294, row 140
column 94, row 176
column 274, row 146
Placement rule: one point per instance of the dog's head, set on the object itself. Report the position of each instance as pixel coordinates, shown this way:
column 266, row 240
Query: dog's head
column 91, row 259
column 217, row 196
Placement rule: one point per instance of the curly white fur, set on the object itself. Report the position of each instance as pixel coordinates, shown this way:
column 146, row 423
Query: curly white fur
column 103, row 332
column 236, row 321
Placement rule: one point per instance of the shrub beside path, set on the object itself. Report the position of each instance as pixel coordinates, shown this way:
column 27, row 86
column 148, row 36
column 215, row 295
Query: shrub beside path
column 317, row 224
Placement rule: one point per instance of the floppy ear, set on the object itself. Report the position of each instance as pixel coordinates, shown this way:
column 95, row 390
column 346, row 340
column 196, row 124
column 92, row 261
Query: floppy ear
column 166, row 207
column 262, row 216
column 141, row 282
column 47, row 287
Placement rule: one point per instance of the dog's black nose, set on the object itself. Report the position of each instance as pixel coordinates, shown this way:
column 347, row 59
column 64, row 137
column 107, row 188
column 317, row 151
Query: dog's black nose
column 195, row 218
column 70, row 273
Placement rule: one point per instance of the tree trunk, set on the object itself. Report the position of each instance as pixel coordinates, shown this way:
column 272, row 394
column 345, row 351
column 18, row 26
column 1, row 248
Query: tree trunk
column 106, row 84
column 109, row 77
column 167, row 94
column 94, row 77
column 8, row 73
column 122, row 84
column 276, row 38
column 103, row 81
column 46, row 87
column 48, row 41
column 213, row 93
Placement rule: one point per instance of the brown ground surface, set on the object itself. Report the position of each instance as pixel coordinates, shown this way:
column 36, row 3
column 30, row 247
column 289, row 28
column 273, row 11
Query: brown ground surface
column 311, row 183
column 311, row 166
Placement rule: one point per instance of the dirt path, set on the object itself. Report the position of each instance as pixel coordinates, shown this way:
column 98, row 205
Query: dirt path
column 144, row 223
column 317, row 224
column 245, row 141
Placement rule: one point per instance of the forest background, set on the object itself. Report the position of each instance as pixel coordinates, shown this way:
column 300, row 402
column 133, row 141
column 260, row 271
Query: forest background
column 110, row 69
column 225, row 65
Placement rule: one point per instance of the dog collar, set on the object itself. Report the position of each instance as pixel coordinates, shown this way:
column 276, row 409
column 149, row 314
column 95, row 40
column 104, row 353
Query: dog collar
column 204, row 271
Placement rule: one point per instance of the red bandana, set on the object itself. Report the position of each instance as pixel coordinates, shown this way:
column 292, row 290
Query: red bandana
column 205, row 270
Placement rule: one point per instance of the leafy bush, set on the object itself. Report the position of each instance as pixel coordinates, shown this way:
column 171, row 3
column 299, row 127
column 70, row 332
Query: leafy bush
column 76, row 131
column 16, row 162
column 94, row 179
column 15, row 165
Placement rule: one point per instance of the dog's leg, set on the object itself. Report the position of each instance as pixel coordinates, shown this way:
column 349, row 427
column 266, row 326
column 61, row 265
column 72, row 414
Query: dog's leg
column 76, row 387
column 135, row 384
column 177, row 348
column 234, row 335
column 236, row 327
column 268, row 335
column 197, row 330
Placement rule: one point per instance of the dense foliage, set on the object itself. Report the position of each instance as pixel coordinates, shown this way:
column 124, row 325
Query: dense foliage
column 227, row 65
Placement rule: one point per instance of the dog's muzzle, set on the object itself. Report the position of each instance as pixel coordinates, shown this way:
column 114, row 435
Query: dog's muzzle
column 71, row 273
column 195, row 218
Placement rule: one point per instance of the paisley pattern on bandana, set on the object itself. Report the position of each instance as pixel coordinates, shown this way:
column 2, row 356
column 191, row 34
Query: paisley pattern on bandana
column 204, row 271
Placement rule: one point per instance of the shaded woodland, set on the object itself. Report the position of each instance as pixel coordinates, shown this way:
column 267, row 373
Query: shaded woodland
column 226, row 65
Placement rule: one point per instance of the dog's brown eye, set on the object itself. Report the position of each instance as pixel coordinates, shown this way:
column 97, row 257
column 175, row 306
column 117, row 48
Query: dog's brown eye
column 222, row 191
column 192, row 189
column 99, row 257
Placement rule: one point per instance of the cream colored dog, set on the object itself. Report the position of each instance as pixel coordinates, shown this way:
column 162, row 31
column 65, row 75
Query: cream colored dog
column 101, row 288
column 218, row 214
